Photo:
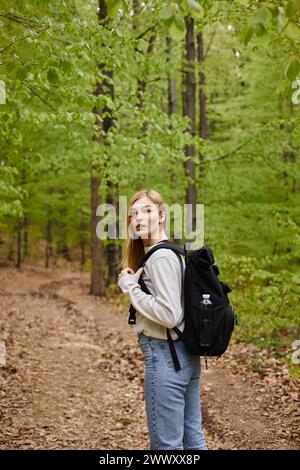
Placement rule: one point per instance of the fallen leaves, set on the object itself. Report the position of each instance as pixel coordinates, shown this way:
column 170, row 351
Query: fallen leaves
column 74, row 376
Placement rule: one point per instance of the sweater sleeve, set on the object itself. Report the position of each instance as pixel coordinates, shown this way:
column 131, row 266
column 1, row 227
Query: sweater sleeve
column 166, row 278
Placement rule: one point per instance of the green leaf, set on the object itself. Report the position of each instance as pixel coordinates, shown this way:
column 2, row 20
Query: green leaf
column 262, row 15
column 125, row 6
column 179, row 22
column 168, row 12
column 259, row 29
column 52, row 76
column 292, row 8
column 112, row 7
column 21, row 73
column 34, row 158
column 247, row 34
column 274, row 11
column 65, row 66
column 176, row 33
column 43, row 117
column 58, row 100
column 82, row 100
column 143, row 45
column 292, row 30
column 10, row 66
column 195, row 5
column 292, row 70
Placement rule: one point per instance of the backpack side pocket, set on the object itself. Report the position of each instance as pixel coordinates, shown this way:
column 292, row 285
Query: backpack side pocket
column 206, row 326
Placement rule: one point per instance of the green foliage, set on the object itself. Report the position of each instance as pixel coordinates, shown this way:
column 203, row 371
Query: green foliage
column 265, row 301
column 53, row 55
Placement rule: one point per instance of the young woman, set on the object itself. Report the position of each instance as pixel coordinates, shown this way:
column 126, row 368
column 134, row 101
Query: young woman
column 172, row 397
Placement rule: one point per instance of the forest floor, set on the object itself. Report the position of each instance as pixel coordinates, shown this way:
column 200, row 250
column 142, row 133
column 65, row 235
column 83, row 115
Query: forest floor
column 73, row 377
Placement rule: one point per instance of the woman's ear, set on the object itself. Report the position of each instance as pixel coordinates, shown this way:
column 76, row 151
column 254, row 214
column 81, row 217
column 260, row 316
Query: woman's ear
column 162, row 217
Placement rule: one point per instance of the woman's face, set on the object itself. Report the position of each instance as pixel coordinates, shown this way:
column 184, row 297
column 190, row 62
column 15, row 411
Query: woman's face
column 144, row 219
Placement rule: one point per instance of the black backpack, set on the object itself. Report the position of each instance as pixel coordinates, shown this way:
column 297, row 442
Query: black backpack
column 209, row 317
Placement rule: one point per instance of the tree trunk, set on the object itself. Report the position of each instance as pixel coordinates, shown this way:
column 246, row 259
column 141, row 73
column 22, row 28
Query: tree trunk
column 97, row 273
column 202, row 103
column 172, row 108
column 82, row 241
column 188, row 96
column 49, row 228
column 61, row 243
column 171, row 81
column 113, row 248
column 48, row 251
column 25, row 237
column 19, row 242
column 103, row 125
column 141, row 88
column 11, row 251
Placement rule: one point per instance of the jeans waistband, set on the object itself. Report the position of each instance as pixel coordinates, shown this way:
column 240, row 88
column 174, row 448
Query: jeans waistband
column 158, row 339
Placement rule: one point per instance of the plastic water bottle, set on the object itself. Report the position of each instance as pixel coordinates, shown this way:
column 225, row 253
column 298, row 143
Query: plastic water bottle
column 206, row 324
column 206, row 299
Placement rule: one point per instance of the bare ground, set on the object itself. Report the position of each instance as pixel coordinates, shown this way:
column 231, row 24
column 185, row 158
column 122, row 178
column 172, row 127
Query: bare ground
column 73, row 377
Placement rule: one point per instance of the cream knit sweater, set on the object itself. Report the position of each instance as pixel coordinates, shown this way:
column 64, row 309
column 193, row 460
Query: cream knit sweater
column 165, row 307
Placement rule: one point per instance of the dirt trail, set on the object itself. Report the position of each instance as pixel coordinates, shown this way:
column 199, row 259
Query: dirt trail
column 74, row 376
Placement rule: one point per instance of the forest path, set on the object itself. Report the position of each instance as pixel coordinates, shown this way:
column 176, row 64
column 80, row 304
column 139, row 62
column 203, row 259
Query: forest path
column 73, row 377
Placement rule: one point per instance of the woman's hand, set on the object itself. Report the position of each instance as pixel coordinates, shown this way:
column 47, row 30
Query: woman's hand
column 129, row 272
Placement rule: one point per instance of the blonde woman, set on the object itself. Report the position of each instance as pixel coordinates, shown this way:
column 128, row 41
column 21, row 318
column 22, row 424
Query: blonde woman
column 172, row 397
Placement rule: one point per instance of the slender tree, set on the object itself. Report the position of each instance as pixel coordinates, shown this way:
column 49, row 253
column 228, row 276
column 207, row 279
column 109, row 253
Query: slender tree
column 189, row 97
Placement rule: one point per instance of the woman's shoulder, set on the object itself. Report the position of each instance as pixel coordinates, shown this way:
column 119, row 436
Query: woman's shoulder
column 164, row 253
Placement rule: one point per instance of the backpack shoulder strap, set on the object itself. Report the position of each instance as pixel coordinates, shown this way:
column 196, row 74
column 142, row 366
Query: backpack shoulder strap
column 164, row 244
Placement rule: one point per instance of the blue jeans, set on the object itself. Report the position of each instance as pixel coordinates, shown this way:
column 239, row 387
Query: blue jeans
column 172, row 398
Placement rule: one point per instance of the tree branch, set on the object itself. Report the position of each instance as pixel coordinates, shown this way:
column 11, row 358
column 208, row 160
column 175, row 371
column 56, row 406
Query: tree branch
column 151, row 28
column 230, row 153
column 23, row 22
column 40, row 98
column 12, row 43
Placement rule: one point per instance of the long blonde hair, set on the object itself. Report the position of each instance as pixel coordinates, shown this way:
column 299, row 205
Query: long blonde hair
column 133, row 250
